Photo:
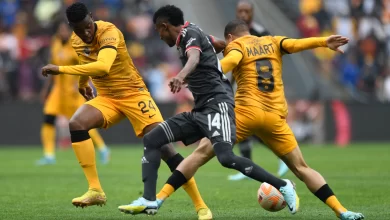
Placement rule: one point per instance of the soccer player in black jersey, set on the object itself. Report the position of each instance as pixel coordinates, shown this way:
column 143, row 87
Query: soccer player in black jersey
column 212, row 117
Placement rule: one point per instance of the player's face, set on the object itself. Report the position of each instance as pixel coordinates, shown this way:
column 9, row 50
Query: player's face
column 64, row 32
column 84, row 29
column 165, row 34
column 244, row 12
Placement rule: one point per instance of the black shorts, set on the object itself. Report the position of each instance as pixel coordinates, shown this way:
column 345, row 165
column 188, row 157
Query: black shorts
column 216, row 122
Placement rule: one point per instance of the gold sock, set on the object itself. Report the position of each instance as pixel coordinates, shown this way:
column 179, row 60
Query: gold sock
column 335, row 205
column 85, row 153
column 97, row 139
column 48, row 138
column 192, row 190
column 165, row 192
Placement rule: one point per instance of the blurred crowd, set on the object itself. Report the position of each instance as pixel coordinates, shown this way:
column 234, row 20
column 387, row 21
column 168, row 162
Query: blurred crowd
column 363, row 70
column 27, row 27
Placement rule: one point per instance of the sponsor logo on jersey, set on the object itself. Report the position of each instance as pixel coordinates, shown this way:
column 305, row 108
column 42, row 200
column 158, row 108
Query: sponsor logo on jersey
column 189, row 42
column 107, row 39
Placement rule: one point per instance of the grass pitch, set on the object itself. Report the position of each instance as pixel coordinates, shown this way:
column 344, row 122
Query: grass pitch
column 359, row 175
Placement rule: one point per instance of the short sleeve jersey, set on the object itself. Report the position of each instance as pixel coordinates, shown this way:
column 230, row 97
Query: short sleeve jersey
column 259, row 73
column 123, row 77
column 207, row 82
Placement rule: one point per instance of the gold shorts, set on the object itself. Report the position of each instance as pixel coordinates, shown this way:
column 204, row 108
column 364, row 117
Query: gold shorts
column 138, row 107
column 269, row 127
column 60, row 104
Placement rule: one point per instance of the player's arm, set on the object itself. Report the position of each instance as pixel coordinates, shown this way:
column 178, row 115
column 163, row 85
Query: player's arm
column 106, row 57
column 288, row 45
column 218, row 44
column 102, row 66
column 231, row 60
column 193, row 61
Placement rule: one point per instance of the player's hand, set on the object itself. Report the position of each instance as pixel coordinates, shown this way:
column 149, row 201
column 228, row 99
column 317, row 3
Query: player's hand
column 335, row 41
column 50, row 69
column 175, row 84
column 87, row 93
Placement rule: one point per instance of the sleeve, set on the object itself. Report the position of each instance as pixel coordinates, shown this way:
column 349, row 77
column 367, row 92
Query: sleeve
column 289, row 45
column 231, row 60
column 234, row 45
column 109, row 39
column 191, row 40
column 101, row 67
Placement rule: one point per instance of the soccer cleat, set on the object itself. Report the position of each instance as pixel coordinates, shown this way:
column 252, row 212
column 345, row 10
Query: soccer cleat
column 205, row 214
column 46, row 161
column 290, row 196
column 283, row 168
column 237, row 176
column 348, row 215
column 91, row 197
column 105, row 155
column 141, row 205
column 159, row 203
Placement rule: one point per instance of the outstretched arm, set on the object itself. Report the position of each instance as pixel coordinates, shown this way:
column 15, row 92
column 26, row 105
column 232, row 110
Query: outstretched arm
column 333, row 42
column 193, row 61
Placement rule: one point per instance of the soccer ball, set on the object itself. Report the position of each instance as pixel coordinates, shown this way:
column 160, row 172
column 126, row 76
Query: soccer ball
column 270, row 198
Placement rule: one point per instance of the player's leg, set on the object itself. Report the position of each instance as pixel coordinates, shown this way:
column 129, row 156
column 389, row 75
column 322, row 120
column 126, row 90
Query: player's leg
column 144, row 115
column 174, row 129
column 316, row 183
column 172, row 158
column 246, row 151
column 98, row 112
column 48, row 138
column 278, row 136
column 98, row 141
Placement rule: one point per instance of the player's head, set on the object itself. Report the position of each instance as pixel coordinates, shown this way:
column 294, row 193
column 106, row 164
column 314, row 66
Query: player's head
column 81, row 21
column 168, row 21
column 244, row 11
column 63, row 32
column 235, row 29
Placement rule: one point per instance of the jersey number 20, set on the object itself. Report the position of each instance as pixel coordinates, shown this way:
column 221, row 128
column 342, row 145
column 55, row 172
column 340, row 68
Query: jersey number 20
column 265, row 80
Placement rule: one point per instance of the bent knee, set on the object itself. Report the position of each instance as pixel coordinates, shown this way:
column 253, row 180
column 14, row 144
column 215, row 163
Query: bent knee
column 226, row 160
column 300, row 169
column 76, row 124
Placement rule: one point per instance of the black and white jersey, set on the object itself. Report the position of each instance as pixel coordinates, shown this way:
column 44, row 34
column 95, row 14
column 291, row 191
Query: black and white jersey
column 207, row 82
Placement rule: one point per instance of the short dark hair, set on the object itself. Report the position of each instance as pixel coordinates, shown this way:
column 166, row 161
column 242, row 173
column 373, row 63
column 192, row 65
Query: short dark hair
column 236, row 26
column 76, row 12
column 171, row 13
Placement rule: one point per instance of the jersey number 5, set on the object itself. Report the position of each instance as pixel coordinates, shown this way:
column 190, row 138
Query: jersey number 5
column 265, row 80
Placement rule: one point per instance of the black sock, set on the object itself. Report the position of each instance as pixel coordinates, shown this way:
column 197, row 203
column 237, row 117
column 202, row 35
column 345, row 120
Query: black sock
column 324, row 193
column 78, row 136
column 174, row 161
column 177, row 179
column 227, row 158
column 151, row 161
column 246, row 149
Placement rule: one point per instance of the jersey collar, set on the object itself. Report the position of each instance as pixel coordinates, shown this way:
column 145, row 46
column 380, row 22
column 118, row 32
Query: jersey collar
column 179, row 36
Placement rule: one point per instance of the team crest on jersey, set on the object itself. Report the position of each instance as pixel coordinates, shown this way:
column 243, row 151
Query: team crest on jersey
column 189, row 42
column 87, row 51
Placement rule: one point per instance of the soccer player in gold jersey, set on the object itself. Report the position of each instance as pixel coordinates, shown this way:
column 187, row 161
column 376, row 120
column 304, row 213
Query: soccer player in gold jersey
column 103, row 56
column 63, row 98
column 261, row 106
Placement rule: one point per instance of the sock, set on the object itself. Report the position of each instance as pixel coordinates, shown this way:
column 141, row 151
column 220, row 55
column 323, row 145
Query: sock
column 190, row 186
column 326, row 195
column 85, row 153
column 48, row 136
column 97, row 140
column 246, row 149
column 192, row 190
column 226, row 157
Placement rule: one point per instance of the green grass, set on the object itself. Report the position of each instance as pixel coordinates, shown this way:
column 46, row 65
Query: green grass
column 358, row 174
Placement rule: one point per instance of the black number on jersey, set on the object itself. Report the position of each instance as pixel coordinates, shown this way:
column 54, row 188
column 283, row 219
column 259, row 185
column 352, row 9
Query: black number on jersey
column 265, row 80
column 144, row 107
